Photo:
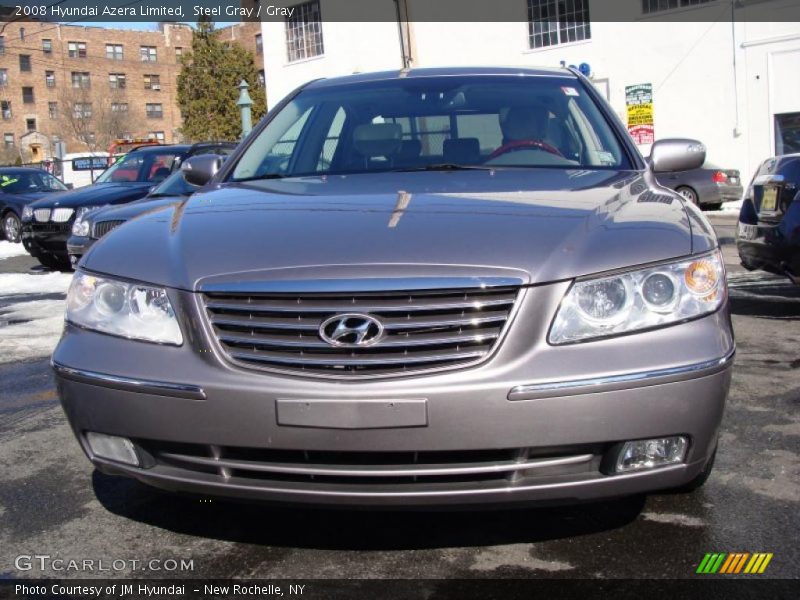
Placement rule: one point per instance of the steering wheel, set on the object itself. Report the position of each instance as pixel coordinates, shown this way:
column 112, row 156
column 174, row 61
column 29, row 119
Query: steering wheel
column 521, row 145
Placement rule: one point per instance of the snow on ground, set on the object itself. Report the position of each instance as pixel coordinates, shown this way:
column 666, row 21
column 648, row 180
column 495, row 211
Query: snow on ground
column 731, row 207
column 7, row 250
column 31, row 283
column 30, row 329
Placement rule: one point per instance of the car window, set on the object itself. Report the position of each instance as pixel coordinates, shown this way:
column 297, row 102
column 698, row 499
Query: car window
column 151, row 167
column 26, row 182
column 522, row 122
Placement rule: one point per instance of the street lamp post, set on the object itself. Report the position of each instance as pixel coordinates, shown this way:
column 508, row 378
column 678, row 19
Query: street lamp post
column 244, row 103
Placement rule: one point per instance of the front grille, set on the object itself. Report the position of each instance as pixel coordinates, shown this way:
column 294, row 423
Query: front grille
column 42, row 215
column 262, row 465
column 422, row 329
column 50, row 227
column 101, row 228
column 61, row 215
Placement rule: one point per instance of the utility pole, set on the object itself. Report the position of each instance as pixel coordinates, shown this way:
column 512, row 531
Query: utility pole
column 244, row 103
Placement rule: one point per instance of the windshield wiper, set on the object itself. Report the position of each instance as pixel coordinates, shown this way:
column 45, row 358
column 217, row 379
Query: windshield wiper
column 444, row 167
column 259, row 177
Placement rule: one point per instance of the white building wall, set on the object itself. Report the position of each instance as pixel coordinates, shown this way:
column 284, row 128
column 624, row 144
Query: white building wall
column 713, row 80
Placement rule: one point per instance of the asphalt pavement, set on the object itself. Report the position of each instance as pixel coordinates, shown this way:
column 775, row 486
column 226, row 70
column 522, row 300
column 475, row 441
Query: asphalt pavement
column 52, row 502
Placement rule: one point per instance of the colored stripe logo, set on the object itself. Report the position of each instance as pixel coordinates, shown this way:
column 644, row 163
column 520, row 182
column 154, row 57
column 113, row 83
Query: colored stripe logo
column 733, row 563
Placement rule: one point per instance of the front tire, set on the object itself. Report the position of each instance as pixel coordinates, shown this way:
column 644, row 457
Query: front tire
column 11, row 228
column 689, row 194
column 699, row 481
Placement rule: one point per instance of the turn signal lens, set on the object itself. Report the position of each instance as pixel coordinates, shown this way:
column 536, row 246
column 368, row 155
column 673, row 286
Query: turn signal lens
column 701, row 277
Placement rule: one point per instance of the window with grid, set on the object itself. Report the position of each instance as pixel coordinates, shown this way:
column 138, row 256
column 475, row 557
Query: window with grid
column 8, row 140
column 25, row 62
column 52, row 110
column 156, row 135
column 114, row 51
column 81, row 79
column 304, row 32
column 259, row 44
column 117, row 81
column 30, row 124
column 5, row 108
column 262, row 79
column 50, row 78
column 178, row 51
column 47, row 46
column 76, row 49
column 552, row 22
column 27, row 95
column 154, row 110
column 82, row 110
column 3, row 77
column 148, row 53
column 652, row 6
column 2, row 44
column 152, row 82
column 119, row 107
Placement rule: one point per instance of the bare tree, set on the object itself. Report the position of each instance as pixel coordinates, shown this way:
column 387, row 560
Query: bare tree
column 94, row 118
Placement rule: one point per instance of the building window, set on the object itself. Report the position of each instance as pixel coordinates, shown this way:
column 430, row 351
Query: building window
column 119, row 107
column 30, row 124
column 178, row 51
column 3, row 77
column 152, row 82
column 117, row 81
column 304, row 32
column 148, row 53
column 5, row 107
column 82, row 110
column 47, row 46
column 552, row 22
column 156, row 135
column 154, row 111
column 8, row 140
column 76, row 49
column 114, row 51
column 81, row 80
column 25, row 62
column 262, row 80
column 651, row 6
column 22, row 33
column 27, row 95
column 259, row 45
column 50, row 78
column 2, row 44
column 52, row 110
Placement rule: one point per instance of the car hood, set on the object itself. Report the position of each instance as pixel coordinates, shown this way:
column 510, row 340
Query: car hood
column 535, row 225
column 24, row 198
column 132, row 209
column 96, row 194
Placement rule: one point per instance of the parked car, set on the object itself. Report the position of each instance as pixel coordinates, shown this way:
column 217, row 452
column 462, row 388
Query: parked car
column 19, row 186
column 707, row 186
column 426, row 287
column 94, row 224
column 768, row 234
column 47, row 223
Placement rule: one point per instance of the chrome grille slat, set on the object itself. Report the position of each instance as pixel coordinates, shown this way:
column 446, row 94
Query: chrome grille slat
column 426, row 329
column 101, row 228
column 42, row 215
column 61, row 215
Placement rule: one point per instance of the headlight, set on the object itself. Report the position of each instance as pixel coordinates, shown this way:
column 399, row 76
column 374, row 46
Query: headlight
column 131, row 310
column 27, row 212
column 81, row 226
column 641, row 299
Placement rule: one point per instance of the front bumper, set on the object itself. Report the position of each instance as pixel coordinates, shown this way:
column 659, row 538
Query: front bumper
column 46, row 238
column 77, row 246
column 769, row 249
column 206, row 426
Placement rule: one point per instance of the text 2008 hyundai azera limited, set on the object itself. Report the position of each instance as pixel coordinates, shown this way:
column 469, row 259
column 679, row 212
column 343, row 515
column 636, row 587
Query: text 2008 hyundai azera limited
column 431, row 287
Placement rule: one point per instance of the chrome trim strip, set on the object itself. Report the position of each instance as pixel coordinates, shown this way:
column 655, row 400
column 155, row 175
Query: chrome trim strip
column 386, row 284
column 598, row 384
column 159, row 388
column 768, row 178
column 369, row 471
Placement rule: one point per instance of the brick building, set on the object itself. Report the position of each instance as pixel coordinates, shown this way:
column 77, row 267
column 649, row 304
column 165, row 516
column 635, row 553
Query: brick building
column 86, row 84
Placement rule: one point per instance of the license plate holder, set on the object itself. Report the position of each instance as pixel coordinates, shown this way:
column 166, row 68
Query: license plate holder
column 769, row 199
column 747, row 231
column 352, row 414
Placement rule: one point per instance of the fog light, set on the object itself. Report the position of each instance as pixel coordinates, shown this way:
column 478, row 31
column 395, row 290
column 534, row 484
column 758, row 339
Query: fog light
column 650, row 454
column 112, row 447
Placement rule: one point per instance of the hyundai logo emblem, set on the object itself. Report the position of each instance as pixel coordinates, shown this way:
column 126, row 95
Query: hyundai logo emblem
column 351, row 330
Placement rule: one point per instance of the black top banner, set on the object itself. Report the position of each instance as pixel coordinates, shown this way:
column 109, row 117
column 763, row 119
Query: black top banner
column 224, row 11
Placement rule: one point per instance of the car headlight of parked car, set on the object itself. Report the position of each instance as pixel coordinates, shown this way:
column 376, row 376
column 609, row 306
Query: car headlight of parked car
column 642, row 299
column 81, row 226
column 130, row 310
column 27, row 212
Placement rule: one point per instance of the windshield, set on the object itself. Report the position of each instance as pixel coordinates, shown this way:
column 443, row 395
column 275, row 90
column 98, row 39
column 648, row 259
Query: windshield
column 145, row 166
column 26, row 182
column 435, row 122
column 174, row 185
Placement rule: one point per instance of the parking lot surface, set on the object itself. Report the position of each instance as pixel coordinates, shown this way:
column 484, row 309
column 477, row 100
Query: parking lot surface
column 53, row 503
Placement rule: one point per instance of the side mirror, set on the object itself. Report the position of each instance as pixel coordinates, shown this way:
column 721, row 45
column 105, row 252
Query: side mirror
column 671, row 155
column 198, row 170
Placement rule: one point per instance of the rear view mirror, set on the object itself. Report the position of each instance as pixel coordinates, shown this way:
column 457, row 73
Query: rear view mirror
column 198, row 170
column 677, row 154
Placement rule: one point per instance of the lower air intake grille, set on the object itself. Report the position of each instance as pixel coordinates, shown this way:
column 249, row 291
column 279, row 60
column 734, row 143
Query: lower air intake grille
column 421, row 329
